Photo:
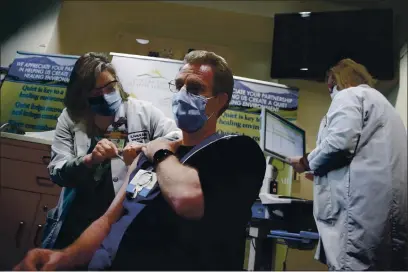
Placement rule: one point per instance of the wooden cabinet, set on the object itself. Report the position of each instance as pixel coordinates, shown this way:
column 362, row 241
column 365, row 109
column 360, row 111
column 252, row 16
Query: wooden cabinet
column 26, row 194
column 46, row 203
column 18, row 210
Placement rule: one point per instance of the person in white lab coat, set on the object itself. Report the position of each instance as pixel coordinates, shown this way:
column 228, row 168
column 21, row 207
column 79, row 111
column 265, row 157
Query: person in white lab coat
column 360, row 176
column 84, row 158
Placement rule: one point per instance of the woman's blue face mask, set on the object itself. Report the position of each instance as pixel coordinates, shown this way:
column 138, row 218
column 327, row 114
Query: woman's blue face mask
column 106, row 104
column 189, row 110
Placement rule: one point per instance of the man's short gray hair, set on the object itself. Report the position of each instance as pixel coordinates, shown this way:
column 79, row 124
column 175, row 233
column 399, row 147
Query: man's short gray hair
column 223, row 81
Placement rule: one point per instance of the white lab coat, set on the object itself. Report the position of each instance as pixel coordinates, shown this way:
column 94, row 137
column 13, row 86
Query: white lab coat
column 361, row 209
column 145, row 123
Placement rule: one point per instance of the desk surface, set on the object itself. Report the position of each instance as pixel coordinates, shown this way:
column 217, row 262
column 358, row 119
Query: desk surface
column 39, row 138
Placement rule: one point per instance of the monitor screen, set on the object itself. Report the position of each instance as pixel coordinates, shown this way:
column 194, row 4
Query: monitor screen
column 280, row 138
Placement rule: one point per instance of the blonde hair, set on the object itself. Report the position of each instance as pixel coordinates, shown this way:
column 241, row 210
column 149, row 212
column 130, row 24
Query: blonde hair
column 348, row 73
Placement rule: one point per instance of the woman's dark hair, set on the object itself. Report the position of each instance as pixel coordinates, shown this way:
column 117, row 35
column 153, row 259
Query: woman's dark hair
column 83, row 79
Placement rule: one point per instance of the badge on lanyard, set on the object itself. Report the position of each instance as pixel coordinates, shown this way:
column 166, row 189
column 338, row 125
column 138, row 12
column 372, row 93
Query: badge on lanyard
column 117, row 133
column 139, row 136
column 142, row 183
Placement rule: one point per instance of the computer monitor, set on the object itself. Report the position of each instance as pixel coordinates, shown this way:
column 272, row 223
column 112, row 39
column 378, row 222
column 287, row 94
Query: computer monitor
column 280, row 138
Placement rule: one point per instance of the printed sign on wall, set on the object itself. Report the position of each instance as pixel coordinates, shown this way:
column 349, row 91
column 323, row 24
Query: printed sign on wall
column 33, row 92
column 147, row 78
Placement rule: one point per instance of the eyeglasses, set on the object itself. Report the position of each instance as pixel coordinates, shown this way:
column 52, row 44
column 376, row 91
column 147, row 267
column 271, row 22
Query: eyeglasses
column 191, row 87
column 172, row 87
column 108, row 88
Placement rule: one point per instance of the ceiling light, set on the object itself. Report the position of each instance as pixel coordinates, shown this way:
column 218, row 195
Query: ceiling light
column 142, row 41
column 305, row 14
column 304, row 69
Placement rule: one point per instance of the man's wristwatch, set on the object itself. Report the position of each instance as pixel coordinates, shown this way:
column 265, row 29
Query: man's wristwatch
column 160, row 155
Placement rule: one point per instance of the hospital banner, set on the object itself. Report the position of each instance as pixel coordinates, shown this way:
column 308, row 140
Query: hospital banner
column 33, row 91
column 148, row 78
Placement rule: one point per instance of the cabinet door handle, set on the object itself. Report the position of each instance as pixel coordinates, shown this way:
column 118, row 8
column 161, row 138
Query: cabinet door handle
column 46, row 160
column 37, row 232
column 19, row 233
column 44, row 181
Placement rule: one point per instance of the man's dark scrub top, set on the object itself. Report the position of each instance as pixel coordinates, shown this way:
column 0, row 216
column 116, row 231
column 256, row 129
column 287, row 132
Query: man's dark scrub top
column 231, row 174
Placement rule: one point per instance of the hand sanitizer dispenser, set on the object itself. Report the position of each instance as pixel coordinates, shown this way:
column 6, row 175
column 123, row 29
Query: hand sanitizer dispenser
column 274, row 183
column 271, row 174
column 266, row 194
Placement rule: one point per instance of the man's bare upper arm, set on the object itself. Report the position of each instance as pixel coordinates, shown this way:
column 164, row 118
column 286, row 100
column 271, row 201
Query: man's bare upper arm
column 115, row 209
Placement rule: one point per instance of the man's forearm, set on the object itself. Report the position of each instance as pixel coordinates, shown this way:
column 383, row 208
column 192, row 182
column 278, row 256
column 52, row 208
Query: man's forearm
column 171, row 175
column 81, row 251
column 181, row 187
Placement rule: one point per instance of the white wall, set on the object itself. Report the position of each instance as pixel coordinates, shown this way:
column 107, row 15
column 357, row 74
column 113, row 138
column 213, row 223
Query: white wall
column 398, row 97
column 33, row 37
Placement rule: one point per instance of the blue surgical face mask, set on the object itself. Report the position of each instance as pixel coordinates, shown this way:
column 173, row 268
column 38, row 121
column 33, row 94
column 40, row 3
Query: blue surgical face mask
column 189, row 111
column 107, row 104
column 334, row 91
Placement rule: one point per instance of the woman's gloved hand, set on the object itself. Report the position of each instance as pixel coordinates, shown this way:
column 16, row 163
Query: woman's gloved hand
column 131, row 151
column 300, row 164
column 103, row 150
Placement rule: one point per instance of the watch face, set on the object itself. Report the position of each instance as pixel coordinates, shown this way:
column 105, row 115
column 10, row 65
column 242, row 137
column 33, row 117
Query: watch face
column 161, row 154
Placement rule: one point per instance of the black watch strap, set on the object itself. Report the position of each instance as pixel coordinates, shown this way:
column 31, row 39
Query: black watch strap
column 160, row 155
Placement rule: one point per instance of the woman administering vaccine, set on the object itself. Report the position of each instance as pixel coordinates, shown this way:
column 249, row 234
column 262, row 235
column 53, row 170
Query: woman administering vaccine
column 99, row 125
column 360, row 176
